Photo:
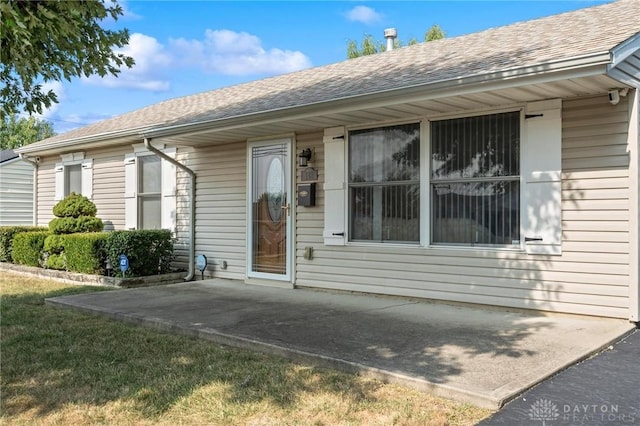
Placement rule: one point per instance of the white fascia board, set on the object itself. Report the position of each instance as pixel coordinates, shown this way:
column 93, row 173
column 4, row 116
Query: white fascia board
column 620, row 68
column 580, row 67
column 91, row 141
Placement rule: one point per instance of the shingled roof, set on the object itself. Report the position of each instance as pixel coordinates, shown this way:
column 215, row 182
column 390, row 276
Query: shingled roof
column 537, row 43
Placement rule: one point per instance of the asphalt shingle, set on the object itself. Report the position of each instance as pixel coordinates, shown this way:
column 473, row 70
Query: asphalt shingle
column 541, row 41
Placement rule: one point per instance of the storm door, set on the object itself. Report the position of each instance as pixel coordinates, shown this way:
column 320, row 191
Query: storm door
column 270, row 210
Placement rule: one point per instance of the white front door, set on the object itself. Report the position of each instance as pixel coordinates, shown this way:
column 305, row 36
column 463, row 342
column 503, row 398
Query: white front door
column 270, row 222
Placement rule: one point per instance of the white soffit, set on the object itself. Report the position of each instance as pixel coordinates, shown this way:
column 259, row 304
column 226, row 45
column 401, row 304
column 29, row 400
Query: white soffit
column 392, row 109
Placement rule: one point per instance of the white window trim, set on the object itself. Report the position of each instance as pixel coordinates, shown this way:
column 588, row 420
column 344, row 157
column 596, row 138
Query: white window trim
column 73, row 159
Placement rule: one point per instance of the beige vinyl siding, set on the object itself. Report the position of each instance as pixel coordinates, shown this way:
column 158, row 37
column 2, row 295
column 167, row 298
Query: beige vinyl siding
column 220, row 208
column 46, row 190
column 16, row 193
column 590, row 277
column 310, row 220
column 108, row 185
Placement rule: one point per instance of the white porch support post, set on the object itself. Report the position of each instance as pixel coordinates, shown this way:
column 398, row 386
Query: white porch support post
column 633, row 143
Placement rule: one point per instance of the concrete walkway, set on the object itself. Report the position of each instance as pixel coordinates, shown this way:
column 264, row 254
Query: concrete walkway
column 485, row 357
column 603, row 390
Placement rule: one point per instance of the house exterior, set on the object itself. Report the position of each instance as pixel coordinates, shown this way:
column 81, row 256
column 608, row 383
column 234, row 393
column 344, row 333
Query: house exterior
column 16, row 190
column 496, row 168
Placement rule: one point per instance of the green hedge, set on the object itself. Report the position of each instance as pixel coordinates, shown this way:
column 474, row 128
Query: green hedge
column 150, row 252
column 54, row 244
column 56, row 261
column 27, row 248
column 7, row 233
column 73, row 225
column 86, row 253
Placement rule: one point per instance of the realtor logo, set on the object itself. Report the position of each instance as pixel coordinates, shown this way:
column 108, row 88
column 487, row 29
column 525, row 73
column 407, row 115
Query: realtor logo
column 544, row 410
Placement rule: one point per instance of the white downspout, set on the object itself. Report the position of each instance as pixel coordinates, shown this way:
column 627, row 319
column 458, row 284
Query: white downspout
column 633, row 147
column 192, row 204
column 35, row 185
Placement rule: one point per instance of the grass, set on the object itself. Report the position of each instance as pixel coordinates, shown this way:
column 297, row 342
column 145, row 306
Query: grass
column 64, row 367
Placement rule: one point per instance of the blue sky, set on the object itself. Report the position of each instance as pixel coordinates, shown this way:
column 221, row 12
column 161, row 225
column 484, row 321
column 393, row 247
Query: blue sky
column 186, row 47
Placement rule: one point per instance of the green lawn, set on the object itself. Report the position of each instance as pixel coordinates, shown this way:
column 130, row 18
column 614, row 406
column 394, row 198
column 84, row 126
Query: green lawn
column 64, row 367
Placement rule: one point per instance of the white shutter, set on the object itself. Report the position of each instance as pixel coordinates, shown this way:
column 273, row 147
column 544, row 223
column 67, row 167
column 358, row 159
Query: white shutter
column 168, row 212
column 59, row 173
column 334, row 187
column 541, row 169
column 130, row 190
column 87, row 178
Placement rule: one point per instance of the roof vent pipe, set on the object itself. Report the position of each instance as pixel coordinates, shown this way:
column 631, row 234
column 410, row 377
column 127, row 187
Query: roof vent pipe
column 390, row 34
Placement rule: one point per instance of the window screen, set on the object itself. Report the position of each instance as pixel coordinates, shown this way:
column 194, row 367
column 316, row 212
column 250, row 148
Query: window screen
column 384, row 184
column 475, row 180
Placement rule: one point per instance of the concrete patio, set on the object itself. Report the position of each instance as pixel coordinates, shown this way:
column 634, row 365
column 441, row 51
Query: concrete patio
column 482, row 356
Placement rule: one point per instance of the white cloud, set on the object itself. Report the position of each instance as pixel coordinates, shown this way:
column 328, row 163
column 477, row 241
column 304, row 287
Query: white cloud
column 152, row 61
column 364, row 14
column 67, row 122
column 236, row 53
column 126, row 12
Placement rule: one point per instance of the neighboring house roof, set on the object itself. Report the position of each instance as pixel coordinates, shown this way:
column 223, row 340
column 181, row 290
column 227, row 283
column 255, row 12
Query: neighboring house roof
column 7, row 155
column 605, row 35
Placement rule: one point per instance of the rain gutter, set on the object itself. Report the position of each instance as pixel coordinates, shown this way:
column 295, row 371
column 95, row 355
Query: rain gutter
column 192, row 204
column 582, row 66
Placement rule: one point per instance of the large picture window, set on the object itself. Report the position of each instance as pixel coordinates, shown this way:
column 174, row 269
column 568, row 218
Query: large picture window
column 475, row 180
column 384, row 184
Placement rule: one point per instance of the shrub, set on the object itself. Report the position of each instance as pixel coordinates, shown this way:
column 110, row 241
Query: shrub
column 56, row 261
column 150, row 252
column 27, row 248
column 7, row 233
column 86, row 253
column 72, row 225
column 54, row 244
column 75, row 205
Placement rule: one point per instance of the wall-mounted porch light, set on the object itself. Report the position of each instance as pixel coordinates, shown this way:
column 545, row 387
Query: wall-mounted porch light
column 304, row 157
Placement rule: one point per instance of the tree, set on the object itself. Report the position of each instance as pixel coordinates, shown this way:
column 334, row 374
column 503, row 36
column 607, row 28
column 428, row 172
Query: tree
column 44, row 41
column 434, row 33
column 370, row 46
column 16, row 132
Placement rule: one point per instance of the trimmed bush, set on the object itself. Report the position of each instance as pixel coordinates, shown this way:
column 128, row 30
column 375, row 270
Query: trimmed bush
column 75, row 205
column 56, row 261
column 86, row 253
column 150, row 252
column 27, row 248
column 73, row 225
column 7, row 233
column 54, row 244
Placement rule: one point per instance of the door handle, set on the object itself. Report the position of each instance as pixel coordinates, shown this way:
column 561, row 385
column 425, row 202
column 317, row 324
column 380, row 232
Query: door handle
column 287, row 208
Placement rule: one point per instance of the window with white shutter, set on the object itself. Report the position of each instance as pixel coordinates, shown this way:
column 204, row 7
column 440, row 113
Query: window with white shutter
column 150, row 191
column 74, row 175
